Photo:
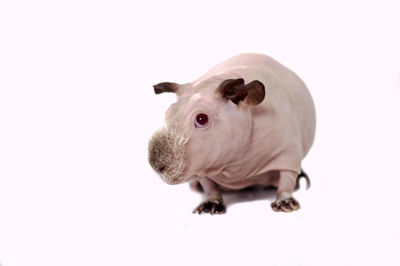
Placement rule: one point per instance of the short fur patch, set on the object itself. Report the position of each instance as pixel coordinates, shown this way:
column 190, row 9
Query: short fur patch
column 167, row 150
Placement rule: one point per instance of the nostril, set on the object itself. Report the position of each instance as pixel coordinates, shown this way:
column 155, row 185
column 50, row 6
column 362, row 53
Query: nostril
column 161, row 169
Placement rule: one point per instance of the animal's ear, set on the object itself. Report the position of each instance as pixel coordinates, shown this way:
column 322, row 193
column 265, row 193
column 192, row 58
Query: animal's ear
column 235, row 90
column 165, row 87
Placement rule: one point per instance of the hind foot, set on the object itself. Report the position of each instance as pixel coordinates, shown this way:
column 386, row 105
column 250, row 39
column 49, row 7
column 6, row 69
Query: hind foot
column 285, row 205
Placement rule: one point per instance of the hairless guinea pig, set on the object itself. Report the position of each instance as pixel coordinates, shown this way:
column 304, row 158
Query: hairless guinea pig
column 249, row 121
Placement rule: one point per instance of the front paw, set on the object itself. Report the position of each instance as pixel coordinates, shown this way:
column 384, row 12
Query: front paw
column 211, row 207
column 285, row 205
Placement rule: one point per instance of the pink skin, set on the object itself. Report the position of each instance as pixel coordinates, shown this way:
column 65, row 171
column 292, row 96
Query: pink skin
column 243, row 144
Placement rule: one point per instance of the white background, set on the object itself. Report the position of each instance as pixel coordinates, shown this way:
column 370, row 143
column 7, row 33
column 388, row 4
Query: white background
column 77, row 109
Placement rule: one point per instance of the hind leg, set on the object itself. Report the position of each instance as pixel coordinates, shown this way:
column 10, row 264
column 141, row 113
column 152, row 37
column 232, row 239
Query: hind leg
column 284, row 199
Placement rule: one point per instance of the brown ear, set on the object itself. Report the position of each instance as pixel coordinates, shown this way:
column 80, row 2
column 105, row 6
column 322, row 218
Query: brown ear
column 165, row 87
column 235, row 90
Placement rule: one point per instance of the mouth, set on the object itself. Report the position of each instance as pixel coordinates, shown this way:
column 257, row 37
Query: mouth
column 170, row 176
column 174, row 179
column 170, row 181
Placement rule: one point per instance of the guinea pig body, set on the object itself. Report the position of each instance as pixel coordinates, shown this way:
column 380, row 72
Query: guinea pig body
column 249, row 121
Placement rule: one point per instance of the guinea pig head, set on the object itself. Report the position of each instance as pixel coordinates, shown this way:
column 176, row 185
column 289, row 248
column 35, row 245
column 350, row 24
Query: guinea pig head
column 208, row 126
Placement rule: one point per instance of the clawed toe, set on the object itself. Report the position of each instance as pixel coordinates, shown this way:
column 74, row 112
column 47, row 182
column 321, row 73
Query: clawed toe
column 285, row 205
column 211, row 207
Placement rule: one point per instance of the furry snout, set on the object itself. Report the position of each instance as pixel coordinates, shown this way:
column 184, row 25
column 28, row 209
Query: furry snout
column 167, row 154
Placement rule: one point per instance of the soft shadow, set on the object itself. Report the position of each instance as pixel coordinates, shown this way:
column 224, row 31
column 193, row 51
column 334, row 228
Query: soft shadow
column 247, row 195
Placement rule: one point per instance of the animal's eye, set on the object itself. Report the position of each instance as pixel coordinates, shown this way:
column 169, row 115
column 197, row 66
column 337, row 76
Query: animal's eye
column 201, row 120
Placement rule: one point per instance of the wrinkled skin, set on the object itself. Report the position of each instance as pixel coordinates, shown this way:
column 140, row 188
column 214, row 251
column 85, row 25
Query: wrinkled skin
column 249, row 139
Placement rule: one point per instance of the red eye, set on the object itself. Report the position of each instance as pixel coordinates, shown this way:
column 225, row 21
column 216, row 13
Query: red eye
column 201, row 120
